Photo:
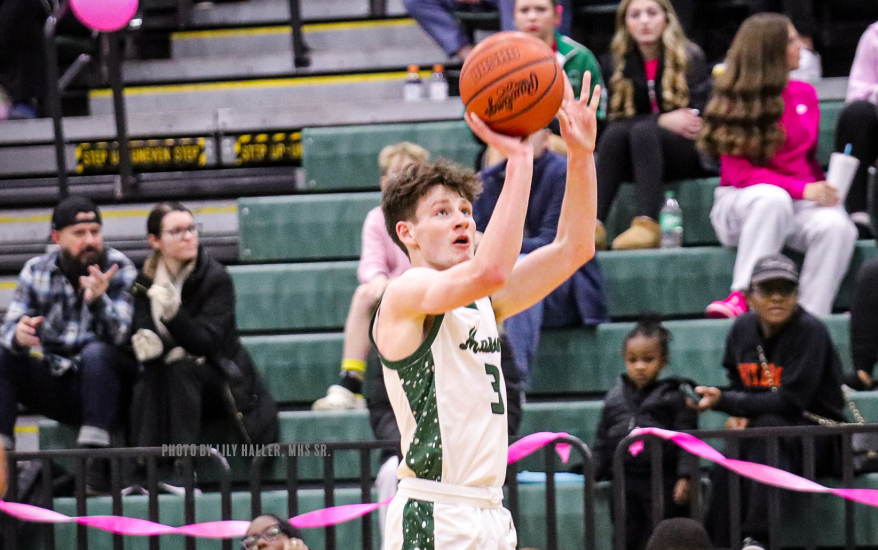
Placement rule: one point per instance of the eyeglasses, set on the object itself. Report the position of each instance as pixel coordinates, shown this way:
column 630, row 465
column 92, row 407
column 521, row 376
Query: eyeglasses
column 272, row 533
column 178, row 232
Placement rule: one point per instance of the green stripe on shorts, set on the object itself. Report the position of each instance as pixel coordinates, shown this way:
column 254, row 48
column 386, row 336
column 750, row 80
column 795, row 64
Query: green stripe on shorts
column 417, row 525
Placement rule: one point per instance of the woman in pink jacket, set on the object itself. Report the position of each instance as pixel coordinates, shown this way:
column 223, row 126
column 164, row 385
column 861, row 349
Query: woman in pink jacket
column 772, row 192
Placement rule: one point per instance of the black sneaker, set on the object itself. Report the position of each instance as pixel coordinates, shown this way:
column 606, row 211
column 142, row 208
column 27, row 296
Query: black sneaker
column 752, row 544
column 176, row 482
column 97, row 476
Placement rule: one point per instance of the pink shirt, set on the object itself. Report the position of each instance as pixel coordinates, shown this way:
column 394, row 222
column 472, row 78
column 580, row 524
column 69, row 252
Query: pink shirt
column 863, row 83
column 379, row 254
column 794, row 165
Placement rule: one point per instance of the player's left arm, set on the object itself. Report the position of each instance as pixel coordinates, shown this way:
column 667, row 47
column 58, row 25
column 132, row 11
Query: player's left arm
column 544, row 269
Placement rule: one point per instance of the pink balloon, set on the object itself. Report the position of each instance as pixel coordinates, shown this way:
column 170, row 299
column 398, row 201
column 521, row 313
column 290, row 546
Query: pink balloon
column 104, row 15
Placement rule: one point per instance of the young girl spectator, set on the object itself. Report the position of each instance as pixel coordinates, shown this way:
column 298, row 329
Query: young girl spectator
column 660, row 82
column 772, row 192
column 858, row 124
column 641, row 400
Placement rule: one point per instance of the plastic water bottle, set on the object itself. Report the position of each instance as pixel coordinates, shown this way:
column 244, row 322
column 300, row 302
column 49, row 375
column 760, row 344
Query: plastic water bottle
column 438, row 84
column 412, row 88
column 671, row 222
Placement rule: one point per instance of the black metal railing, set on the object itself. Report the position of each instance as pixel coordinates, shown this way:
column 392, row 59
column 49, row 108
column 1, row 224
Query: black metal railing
column 732, row 441
column 121, row 461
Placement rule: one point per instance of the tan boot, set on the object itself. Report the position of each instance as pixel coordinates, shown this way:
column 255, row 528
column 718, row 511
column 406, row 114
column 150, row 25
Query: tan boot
column 600, row 236
column 643, row 233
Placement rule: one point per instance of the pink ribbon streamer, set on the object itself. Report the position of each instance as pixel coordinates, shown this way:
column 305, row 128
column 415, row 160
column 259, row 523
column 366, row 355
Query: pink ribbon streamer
column 231, row 529
column 757, row 472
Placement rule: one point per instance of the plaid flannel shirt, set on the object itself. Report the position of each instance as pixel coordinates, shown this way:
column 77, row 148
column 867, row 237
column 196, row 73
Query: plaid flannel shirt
column 68, row 322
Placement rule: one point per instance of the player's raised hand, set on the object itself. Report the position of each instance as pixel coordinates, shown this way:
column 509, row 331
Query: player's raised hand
column 508, row 146
column 579, row 123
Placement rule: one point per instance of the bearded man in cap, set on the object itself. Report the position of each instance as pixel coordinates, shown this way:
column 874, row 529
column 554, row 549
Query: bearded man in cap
column 60, row 342
column 783, row 370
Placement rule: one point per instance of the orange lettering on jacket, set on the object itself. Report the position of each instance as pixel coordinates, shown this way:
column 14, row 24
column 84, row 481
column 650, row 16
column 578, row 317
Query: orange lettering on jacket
column 754, row 376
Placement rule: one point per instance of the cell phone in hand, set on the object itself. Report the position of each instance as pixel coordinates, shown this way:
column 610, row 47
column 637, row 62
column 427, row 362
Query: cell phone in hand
column 690, row 392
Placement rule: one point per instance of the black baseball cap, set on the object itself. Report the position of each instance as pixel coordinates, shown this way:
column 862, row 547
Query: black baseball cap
column 679, row 534
column 66, row 212
column 776, row 266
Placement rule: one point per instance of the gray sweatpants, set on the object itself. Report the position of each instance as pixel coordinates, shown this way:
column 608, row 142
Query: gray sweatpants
column 761, row 219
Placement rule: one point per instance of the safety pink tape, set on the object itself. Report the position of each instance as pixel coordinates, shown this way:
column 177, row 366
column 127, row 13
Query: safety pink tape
column 230, row 529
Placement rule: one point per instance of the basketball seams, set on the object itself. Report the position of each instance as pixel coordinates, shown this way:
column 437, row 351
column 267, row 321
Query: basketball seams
column 515, row 41
column 499, row 78
column 532, row 105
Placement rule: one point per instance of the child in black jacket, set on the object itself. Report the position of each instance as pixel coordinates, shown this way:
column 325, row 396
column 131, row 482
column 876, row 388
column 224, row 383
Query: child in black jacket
column 641, row 400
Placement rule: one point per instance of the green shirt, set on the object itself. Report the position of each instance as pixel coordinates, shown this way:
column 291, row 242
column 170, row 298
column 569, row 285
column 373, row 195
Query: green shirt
column 575, row 59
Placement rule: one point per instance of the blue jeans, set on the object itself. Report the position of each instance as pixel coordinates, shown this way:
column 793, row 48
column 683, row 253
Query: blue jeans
column 94, row 396
column 435, row 17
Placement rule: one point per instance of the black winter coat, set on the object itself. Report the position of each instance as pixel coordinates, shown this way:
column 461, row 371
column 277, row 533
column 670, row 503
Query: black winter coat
column 660, row 405
column 205, row 326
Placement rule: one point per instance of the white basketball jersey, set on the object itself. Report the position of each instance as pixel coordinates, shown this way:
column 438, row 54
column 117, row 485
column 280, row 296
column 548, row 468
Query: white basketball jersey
column 449, row 399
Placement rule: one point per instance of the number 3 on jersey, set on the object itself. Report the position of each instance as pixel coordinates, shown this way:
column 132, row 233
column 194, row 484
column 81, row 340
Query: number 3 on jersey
column 494, row 372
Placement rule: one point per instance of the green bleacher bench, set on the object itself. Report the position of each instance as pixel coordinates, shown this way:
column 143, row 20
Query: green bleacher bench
column 303, row 227
column 829, row 112
column 293, row 296
column 672, row 282
column 346, row 157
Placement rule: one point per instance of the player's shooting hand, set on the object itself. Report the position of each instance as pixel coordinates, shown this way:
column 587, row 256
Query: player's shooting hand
column 508, row 146
column 579, row 123
column 26, row 331
column 96, row 283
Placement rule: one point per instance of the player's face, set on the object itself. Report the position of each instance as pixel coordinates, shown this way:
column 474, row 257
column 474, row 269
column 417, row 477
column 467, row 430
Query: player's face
column 644, row 359
column 646, row 21
column 537, row 18
column 443, row 228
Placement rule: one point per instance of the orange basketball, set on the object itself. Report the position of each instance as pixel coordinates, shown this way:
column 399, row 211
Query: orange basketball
column 512, row 81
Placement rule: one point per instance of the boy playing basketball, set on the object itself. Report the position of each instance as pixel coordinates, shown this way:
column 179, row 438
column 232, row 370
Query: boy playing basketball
column 436, row 329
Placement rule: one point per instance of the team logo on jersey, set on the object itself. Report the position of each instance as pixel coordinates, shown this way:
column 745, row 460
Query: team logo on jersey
column 487, row 345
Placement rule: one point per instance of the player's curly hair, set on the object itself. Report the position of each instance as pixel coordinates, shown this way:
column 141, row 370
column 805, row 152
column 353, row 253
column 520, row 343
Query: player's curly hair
column 741, row 117
column 403, row 191
column 675, row 90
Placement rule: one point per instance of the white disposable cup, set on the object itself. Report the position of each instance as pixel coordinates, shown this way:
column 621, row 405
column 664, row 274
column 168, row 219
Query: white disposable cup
column 841, row 172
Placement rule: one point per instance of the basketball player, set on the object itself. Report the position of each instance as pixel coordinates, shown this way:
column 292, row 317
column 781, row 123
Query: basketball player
column 436, row 329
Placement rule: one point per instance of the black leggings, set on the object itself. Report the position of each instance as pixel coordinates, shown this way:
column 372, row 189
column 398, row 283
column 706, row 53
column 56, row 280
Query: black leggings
column 858, row 125
column 641, row 151
column 22, row 51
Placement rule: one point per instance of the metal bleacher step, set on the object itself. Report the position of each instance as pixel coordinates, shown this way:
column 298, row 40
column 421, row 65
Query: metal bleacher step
column 271, row 12
column 288, row 95
column 266, row 51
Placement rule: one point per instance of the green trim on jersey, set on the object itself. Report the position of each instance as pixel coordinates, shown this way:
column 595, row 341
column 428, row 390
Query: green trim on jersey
column 577, row 60
column 422, row 349
column 417, row 525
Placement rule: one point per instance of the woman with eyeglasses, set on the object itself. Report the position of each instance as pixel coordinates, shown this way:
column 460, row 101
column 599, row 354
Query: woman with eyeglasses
column 184, row 332
column 273, row 533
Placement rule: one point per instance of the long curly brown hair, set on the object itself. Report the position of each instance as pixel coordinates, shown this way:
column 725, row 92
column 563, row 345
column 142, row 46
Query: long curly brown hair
column 741, row 118
column 675, row 91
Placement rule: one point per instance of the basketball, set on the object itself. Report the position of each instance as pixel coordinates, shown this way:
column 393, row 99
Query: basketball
column 512, row 81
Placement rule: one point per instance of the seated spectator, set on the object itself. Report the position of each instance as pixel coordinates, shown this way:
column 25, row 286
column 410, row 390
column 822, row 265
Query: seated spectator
column 60, row 353
column 272, row 533
column 801, row 13
column 186, row 337
column 641, row 399
column 660, row 83
column 780, row 363
column 578, row 301
column 772, row 191
column 437, row 18
column 380, row 261
column 540, row 19
column 864, row 327
column 22, row 58
column 858, row 125
column 679, row 534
